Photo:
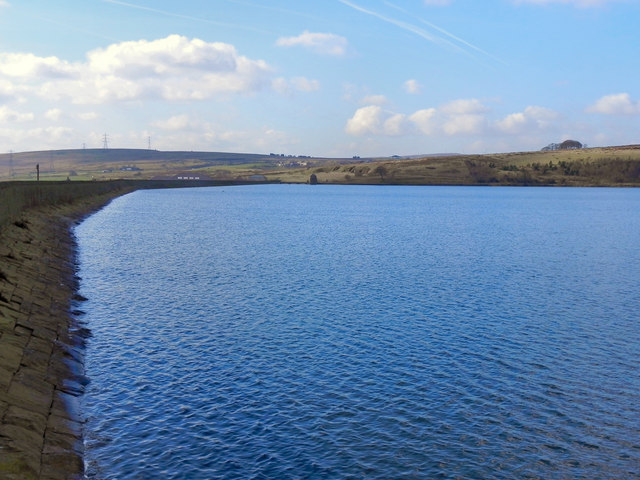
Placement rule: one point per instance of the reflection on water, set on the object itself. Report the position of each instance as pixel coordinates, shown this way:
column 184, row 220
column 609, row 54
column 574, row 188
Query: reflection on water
column 362, row 332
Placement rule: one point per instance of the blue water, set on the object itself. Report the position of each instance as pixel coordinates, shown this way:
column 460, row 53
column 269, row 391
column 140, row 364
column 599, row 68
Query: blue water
column 289, row 332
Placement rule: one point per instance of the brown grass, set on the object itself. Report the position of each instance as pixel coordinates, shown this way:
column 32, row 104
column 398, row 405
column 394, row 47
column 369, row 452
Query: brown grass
column 612, row 166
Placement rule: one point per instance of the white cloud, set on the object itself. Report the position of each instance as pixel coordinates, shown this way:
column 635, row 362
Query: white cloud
column 88, row 116
column 165, row 57
column 177, row 122
column 616, row 104
column 49, row 137
column 171, row 68
column 9, row 90
column 395, row 125
column 28, row 65
column 374, row 100
column 532, row 118
column 8, row 115
column 207, row 136
column 459, row 117
column 185, row 129
column 304, row 84
column 323, row 43
column 54, row 114
column 373, row 120
column 463, row 124
column 4, row 3
column 299, row 84
column 365, row 120
column 412, row 87
column 425, row 120
column 463, row 107
column 281, row 85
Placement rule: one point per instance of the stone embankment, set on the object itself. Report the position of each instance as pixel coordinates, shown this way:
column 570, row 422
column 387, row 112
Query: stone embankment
column 42, row 341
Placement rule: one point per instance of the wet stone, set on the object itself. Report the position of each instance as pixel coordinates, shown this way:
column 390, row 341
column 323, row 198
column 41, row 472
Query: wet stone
column 64, row 426
column 40, row 345
column 31, row 393
column 62, row 466
column 40, row 432
column 13, row 339
column 13, row 466
column 65, row 405
column 5, row 379
column 37, row 360
column 26, row 419
column 21, row 438
column 11, row 356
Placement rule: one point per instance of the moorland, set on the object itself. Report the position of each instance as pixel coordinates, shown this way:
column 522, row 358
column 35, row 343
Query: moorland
column 603, row 166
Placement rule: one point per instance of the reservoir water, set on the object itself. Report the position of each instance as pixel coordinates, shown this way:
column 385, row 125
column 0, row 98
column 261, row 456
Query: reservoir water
column 343, row 332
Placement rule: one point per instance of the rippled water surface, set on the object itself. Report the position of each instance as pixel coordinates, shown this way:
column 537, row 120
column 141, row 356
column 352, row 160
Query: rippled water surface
column 276, row 332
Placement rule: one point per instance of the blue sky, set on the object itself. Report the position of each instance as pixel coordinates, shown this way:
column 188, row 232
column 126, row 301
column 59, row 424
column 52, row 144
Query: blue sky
column 322, row 77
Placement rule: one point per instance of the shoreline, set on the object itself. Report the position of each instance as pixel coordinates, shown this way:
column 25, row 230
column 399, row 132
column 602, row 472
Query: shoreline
column 42, row 342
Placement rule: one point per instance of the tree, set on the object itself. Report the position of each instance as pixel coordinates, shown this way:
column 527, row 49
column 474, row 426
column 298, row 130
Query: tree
column 380, row 170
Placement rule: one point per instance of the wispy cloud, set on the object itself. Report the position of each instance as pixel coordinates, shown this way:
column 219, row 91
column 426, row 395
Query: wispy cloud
column 451, row 41
column 412, row 87
column 296, row 84
column 4, row 3
column 323, row 43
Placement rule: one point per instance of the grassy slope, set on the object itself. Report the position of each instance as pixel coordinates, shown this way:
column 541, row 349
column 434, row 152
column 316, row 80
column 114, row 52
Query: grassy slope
column 611, row 166
column 593, row 166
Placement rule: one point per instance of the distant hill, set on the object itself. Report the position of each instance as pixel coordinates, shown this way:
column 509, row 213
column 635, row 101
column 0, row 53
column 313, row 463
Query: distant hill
column 126, row 155
column 99, row 163
column 608, row 166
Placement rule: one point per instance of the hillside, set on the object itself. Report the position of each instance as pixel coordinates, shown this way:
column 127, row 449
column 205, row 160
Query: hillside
column 581, row 167
column 610, row 166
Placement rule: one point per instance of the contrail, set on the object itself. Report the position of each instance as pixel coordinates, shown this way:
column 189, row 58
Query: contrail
column 405, row 26
column 420, row 31
column 464, row 42
column 186, row 17
column 450, row 35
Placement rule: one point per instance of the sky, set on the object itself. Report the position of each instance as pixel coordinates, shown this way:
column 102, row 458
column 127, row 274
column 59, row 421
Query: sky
column 333, row 78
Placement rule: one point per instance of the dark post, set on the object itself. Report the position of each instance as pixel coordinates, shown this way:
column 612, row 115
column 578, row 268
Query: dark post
column 38, row 172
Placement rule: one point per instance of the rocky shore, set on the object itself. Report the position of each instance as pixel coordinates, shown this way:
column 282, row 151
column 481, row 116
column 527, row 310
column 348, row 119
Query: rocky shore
column 42, row 343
